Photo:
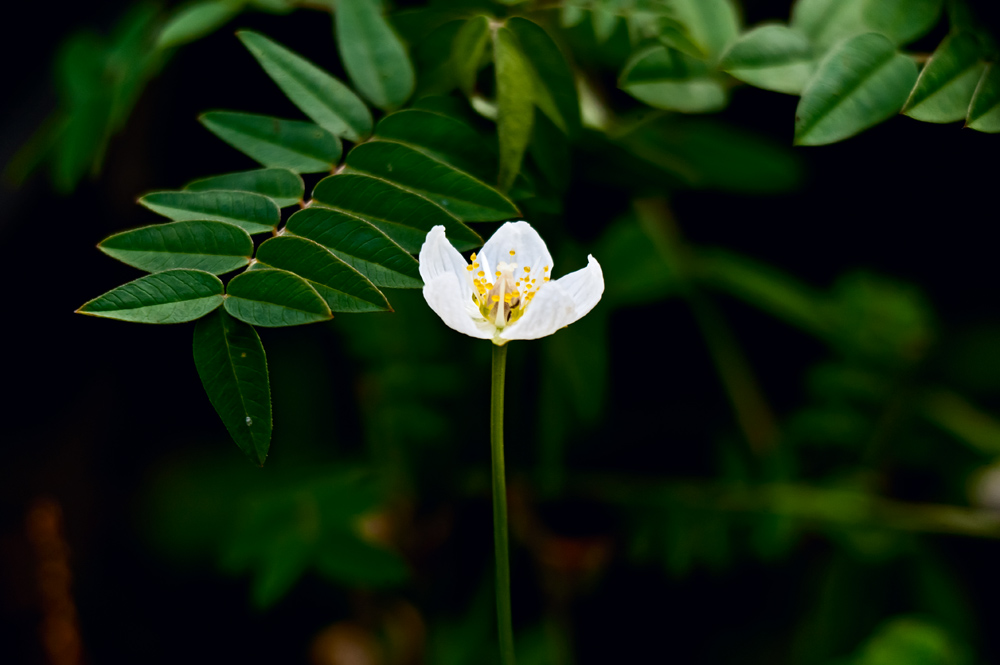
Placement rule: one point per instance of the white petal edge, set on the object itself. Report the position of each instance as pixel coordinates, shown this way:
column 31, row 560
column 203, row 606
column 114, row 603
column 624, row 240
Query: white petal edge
column 521, row 237
column 438, row 257
column 560, row 303
column 445, row 295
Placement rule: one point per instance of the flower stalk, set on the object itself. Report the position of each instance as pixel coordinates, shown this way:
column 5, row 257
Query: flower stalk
column 500, row 541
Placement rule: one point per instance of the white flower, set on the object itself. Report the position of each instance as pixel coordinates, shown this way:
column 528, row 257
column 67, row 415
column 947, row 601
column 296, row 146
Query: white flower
column 505, row 292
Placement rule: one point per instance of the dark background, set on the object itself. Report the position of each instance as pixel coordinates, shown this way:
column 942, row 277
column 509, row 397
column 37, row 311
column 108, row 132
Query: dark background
column 92, row 405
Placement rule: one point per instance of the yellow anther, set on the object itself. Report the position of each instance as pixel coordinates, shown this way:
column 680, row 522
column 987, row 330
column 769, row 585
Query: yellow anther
column 545, row 279
column 512, row 252
column 506, row 298
column 469, row 268
column 527, row 268
column 481, row 273
column 546, row 268
column 498, row 273
column 473, row 257
column 495, row 298
column 475, row 264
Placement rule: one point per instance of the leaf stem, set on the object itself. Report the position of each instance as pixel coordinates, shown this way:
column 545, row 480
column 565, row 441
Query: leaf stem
column 504, row 624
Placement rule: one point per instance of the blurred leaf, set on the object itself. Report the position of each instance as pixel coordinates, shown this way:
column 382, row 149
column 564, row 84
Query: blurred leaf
column 947, row 82
column 274, row 298
column 328, row 102
column 441, row 137
column 837, row 425
column 860, row 83
column 342, row 287
column 957, row 416
column 173, row 296
column 604, row 19
column 984, row 111
column 711, row 24
column 434, row 57
column 550, row 150
column 461, row 194
column 669, row 80
column 827, row 22
column 233, row 369
column 675, row 35
column 514, row 104
column 359, row 244
column 902, row 21
column 196, row 21
column 468, row 49
column 553, row 77
column 880, row 320
column 298, row 146
column 253, row 213
column 280, row 185
column 909, row 640
column 373, row 54
column 707, row 154
column 641, row 274
column 403, row 216
column 214, row 247
column 781, row 295
column 773, row 57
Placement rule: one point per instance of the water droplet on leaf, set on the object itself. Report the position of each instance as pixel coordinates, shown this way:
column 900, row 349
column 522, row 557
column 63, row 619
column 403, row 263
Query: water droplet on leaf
column 249, row 421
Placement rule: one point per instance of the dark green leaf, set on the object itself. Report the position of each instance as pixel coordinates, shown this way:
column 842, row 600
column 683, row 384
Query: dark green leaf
column 461, row 194
column 298, row 146
column 359, row 244
column 373, row 54
column 280, row 185
column 342, row 287
column 604, row 20
column 233, row 369
column 773, row 57
column 860, row 83
column 826, row 22
column 669, row 80
column 947, row 82
column 402, row 215
column 214, row 247
column 514, row 104
column 984, row 111
column 331, row 104
column 553, row 77
column 274, row 298
column 902, row 21
column 467, row 51
column 442, row 137
column 197, row 20
column 173, row 296
column 711, row 24
column 550, row 151
column 253, row 213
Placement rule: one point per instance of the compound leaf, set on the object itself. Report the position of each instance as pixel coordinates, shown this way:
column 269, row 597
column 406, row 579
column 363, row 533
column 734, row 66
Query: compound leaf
column 460, row 193
column 860, row 83
column 359, row 244
column 373, row 54
column 280, row 185
column 948, row 81
column 402, row 215
column 342, row 287
column 172, row 296
column 331, row 104
column 298, row 146
column 253, row 213
column 233, row 369
column 273, row 299
column 214, row 247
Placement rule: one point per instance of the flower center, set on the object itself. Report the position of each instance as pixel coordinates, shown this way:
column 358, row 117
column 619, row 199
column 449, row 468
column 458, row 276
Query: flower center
column 503, row 297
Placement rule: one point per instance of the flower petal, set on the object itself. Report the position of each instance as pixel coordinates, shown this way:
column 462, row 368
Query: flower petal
column 446, row 296
column 438, row 257
column 521, row 237
column 560, row 303
column 585, row 286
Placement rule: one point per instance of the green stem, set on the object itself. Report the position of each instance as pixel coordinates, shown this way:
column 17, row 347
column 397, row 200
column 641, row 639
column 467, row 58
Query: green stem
column 504, row 624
